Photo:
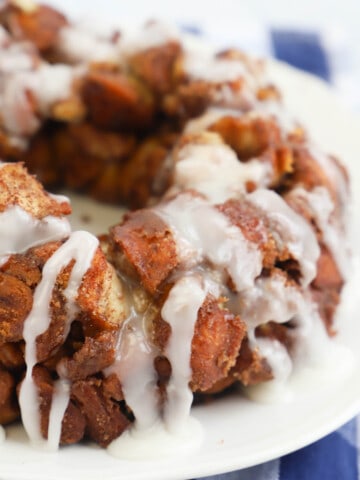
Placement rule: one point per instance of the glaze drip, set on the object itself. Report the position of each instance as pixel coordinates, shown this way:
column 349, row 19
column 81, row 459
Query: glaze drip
column 81, row 247
column 23, row 231
column 180, row 311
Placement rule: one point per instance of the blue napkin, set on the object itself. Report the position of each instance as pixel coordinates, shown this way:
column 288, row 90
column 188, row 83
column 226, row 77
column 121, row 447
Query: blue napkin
column 302, row 50
column 336, row 456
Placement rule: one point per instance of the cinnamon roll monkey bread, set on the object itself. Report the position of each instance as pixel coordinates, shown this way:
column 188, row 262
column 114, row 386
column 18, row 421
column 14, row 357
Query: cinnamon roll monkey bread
column 229, row 265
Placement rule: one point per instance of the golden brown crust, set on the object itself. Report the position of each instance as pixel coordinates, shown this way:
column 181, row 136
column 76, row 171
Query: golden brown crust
column 117, row 136
column 39, row 25
column 142, row 177
column 326, row 288
column 309, row 173
column 259, row 138
column 16, row 301
column 9, row 410
column 19, row 188
column 188, row 100
column 216, row 342
column 12, row 357
column 104, row 419
column 101, row 307
column 147, row 243
column 73, row 423
column 215, row 346
column 254, row 227
column 250, row 367
column 156, row 66
column 115, row 100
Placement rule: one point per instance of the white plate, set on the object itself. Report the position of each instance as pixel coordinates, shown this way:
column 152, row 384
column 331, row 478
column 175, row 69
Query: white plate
column 238, row 432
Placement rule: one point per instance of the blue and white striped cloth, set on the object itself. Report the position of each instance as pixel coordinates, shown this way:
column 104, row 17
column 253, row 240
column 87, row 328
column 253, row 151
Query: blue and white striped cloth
column 337, row 456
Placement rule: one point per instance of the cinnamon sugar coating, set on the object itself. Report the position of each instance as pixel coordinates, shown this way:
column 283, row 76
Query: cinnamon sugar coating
column 144, row 126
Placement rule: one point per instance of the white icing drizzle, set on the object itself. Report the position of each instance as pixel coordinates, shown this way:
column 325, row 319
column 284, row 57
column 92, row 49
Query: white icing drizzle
column 332, row 170
column 17, row 112
column 311, row 341
column 191, row 219
column 54, row 83
column 240, row 96
column 134, row 366
column 48, row 84
column 275, row 109
column 269, row 300
column 336, row 362
column 313, row 360
column 211, row 115
column 16, row 57
column 151, row 35
column 100, row 28
column 266, row 110
column 215, row 171
column 277, row 357
column 23, row 231
column 202, row 234
column 180, row 311
column 81, row 247
column 202, row 65
column 60, row 401
column 290, row 229
column 79, row 44
column 85, row 41
column 273, row 300
column 322, row 208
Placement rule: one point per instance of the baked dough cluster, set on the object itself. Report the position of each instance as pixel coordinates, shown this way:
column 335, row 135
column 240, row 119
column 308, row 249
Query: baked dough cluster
column 227, row 270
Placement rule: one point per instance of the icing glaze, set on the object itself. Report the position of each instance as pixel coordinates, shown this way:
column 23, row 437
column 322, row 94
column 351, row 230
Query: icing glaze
column 24, row 231
column 134, row 366
column 332, row 170
column 59, row 404
column 206, row 66
column 207, row 243
column 322, row 208
column 215, row 171
column 210, row 116
column 291, row 230
column 269, row 299
column 151, row 35
column 79, row 44
column 275, row 109
column 191, row 219
column 81, row 247
column 180, row 311
column 16, row 57
column 47, row 85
